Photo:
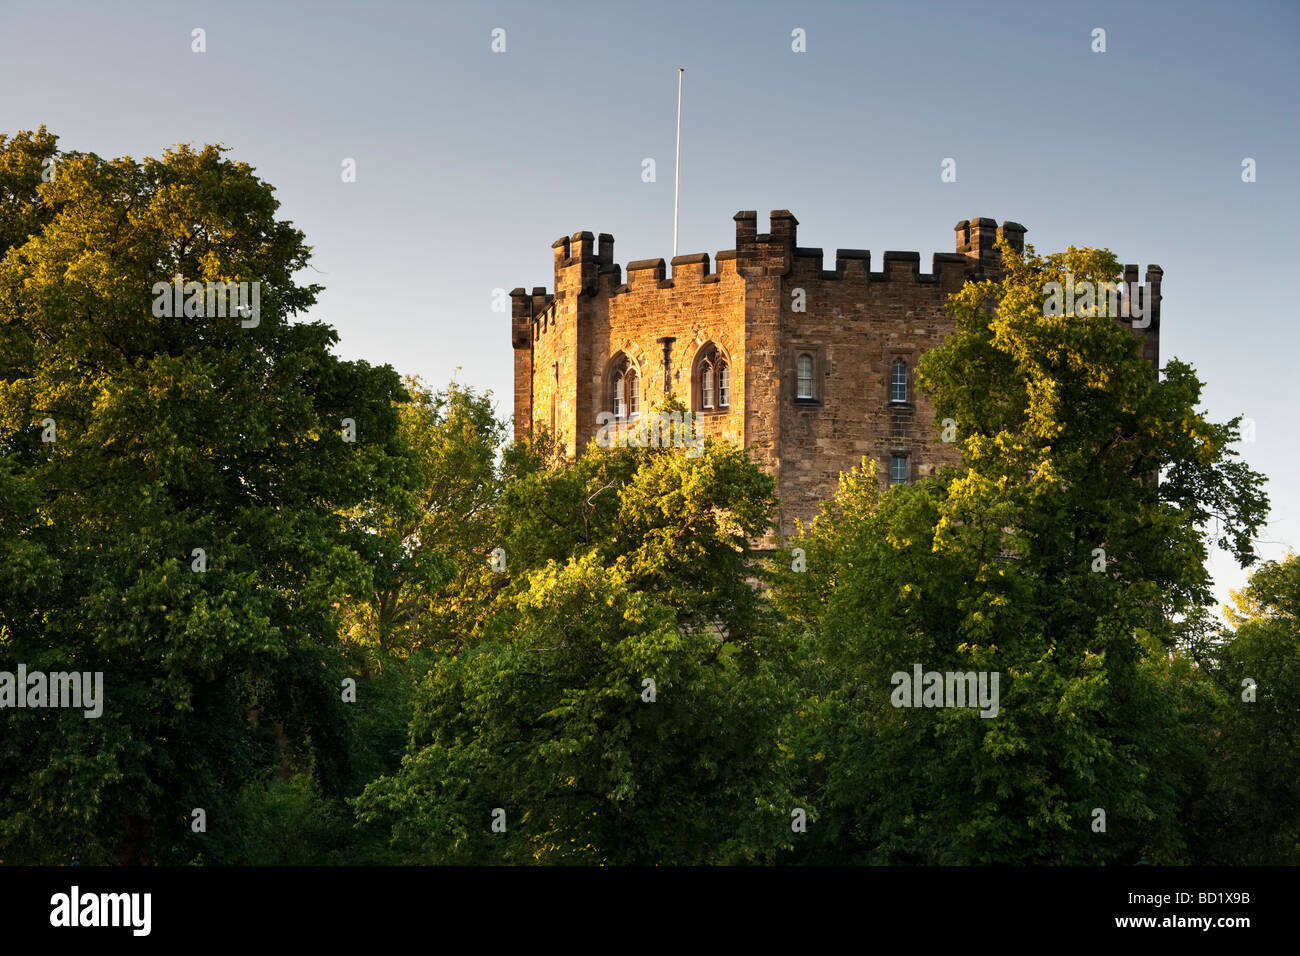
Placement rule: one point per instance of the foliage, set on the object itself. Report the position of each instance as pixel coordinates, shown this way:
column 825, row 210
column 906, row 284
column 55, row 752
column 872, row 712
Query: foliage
column 433, row 527
column 1254, row 793
column 622, row 566
column 589, row 645
column 171, row 434
column 1052, row 557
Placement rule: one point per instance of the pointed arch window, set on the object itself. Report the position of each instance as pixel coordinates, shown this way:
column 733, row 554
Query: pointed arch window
column 625, row 389
column 712, row 380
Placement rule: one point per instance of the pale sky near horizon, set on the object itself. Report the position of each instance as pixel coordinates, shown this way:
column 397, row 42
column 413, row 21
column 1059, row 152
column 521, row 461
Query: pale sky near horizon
column 470, row 163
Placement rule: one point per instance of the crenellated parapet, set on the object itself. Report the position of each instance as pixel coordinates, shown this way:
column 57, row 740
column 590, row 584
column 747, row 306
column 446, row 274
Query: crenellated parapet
column 526, row 310
column 585, row 268
column 808, row 361
column 977, row 241
column 584, row 264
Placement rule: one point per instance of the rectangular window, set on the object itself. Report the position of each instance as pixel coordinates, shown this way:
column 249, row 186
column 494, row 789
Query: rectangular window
column 708, row 387
column 898, row 382
column 898, row 470
column 804, row 377
column 724, row 386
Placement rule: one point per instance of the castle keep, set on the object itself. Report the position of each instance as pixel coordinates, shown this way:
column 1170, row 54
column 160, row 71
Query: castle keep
column 812, row 369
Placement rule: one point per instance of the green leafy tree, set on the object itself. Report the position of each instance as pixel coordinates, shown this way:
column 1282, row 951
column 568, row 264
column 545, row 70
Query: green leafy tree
column 1255, row 738
column 128, row 440
column 428, row 534
column 681, row 526
column 622, row 568
column 1053, row 557
column 434, row 528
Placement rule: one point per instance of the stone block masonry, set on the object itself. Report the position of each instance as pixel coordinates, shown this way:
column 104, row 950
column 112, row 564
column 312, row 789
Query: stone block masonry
column 810, row 369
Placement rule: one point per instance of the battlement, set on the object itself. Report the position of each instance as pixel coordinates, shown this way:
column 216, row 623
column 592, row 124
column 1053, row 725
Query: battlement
column 977, row 238
column 807, row 361
column 526, row 310
column 1154, row 276
column 585, row 266
column 584, row 263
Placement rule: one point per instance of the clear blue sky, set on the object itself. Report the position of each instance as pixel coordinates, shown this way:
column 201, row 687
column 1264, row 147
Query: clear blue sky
column 470, row 163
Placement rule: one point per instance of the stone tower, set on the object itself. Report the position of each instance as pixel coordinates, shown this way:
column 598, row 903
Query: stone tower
column 811, row 369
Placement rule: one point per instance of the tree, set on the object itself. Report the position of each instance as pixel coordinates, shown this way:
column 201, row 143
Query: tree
column 175, row 493
column 432, row 531
column 1254, row 792
column 623, row 701
column 1052, row 557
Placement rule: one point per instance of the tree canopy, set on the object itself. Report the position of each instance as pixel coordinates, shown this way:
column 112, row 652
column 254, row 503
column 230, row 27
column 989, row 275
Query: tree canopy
column 338, row 614
column 623, row 705
column 179, row 507
column 1066, row 555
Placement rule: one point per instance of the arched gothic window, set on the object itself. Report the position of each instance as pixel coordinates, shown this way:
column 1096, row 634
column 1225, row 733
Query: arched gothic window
column 625, row 389
column 712, row 378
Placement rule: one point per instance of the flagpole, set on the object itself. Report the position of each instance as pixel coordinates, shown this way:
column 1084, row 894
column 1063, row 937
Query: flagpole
column 677, row 189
